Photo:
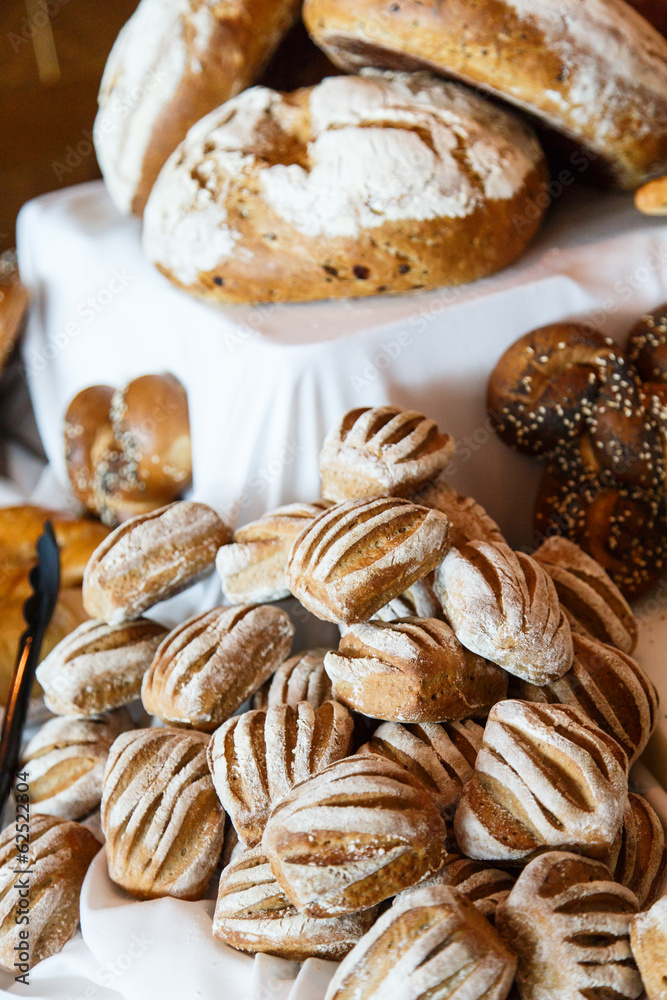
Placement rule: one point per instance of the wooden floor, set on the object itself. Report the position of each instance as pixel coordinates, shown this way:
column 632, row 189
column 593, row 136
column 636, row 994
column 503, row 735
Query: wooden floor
column 52, row 54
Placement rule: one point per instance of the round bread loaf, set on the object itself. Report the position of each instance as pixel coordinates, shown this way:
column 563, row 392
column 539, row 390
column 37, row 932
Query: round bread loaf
column 360, row 185
column 595, row 71
column 174, row 61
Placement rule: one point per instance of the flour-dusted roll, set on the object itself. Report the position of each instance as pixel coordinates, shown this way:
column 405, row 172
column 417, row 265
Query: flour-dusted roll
column 357, row 186
column 174, row 61
column 595, row 71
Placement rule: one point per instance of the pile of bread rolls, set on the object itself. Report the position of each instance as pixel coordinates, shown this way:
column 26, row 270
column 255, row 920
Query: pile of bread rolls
column 462, row 754
column 420, row 169
column 597, row 413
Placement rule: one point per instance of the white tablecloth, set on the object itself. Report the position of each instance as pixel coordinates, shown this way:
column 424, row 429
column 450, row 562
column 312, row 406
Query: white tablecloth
column 264, row 384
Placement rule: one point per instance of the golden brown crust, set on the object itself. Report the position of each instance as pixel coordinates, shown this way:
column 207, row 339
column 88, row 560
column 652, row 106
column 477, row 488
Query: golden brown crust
column 412, row 670
column 301, row 678
column 87, row 431
column 651, row 198
column 253, row 914
column 210, row 664
column 256, row 758
column 595, row 72
column 352, row 836
column 356, row 556
column 59, row 853
column 642, row 858
column 445, row 221
column 381, row 451
column 469, row 520
column 14, row 300
column 486, row 887
column 162, row 820
column 569, row 924
column 431, row 943
column 150, row 558
column 648, row 937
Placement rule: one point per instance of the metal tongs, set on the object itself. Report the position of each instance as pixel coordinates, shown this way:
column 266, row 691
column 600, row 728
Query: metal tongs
column 38, row 609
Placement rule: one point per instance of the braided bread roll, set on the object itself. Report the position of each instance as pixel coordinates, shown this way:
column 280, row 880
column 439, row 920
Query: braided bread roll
column 352, row 836
column 544, row 777
column 569, row 924
column 256, row 758
column 252, row 567
column 412, row 670
column 301, row 678
column 431, row 943
column 57, row 855
column 64, row 763
column 611, row 688
column 648, row 938
column 592, row 602
column 381, row 451
column 161, row 817
column 357, row 556
column 208, row 666
column 442, row 757
column 503, row 606
column 641, row 861
column 253, row 914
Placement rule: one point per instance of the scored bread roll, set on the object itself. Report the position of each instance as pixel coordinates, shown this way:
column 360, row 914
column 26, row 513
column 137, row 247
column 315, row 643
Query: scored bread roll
column 545, row 776
column 569, row 924
column 256, row 758
column 486, row 887
column 174, row 61
column 354, row 187
column 594, row 71
column 503, row 606
column 357, row 556
column 353, row 835
column 59, row 853
column 432, row 942
column 642, row 857
column 381, row 451
column 252, row 913
column 252, row 567
column 301, row 678
column 412, row 670
column 207, row 666
column 150, row 558
column 648, row 938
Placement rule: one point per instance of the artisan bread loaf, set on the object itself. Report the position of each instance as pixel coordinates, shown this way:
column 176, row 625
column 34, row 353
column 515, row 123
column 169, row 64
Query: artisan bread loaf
column 174, row 61
column 595, row 71
column 358, row 186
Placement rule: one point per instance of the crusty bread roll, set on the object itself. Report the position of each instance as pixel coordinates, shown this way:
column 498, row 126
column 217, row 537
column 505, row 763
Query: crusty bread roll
column 595, row 70
column 174, row 61
column 648, row 938
column 642, row 859
column 358, row 186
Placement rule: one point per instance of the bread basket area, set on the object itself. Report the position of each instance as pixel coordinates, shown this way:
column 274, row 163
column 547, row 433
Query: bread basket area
column 340, row 387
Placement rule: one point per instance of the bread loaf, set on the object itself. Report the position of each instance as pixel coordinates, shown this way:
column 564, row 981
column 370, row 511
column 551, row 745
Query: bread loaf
column 173, row 62
column 431, row 943
column 595, row 72
column 484, row 886
column 56, row 857
column 98, row 667
column 469, row 521
column 346, row 189
column 648, row 938
column 642, row 858
column 151, row 558
column 301, row 678
column 381, row 451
